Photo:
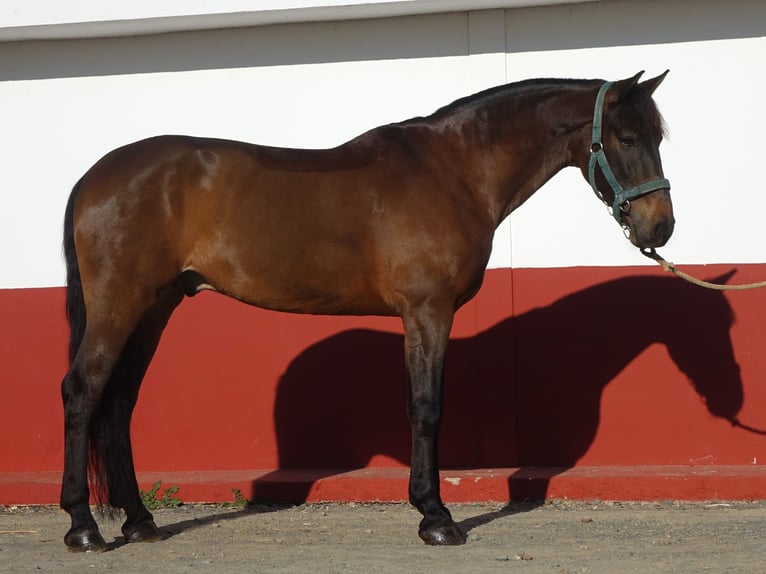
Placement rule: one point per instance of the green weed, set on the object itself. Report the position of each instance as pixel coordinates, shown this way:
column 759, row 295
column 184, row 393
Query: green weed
column 153, row 500
column 239, row 500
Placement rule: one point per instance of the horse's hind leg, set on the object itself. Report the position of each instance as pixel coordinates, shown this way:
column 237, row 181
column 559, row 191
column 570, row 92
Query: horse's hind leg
column 82, row 390
column 99, row 393
column 111, row 424
column 78, row 390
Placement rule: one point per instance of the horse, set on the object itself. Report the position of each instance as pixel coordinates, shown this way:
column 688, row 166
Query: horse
column 398, row 221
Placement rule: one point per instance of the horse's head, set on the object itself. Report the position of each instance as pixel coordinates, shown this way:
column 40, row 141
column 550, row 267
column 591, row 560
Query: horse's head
column 628, row 129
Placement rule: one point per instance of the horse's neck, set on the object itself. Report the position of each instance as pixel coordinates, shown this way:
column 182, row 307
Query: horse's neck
column 516, row 146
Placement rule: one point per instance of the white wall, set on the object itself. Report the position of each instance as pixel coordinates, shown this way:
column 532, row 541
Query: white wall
column 67, row 102
column 712, row 101
column 38, row 19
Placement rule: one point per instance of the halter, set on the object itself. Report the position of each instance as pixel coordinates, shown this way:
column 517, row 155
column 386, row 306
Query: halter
column 622, row 196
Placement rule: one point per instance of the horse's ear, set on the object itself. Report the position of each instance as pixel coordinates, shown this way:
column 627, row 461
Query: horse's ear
column 651, row 85
column 621, row 88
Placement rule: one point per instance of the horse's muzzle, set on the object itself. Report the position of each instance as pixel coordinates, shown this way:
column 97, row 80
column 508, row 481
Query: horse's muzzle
column 662, row 232
column 652, row 236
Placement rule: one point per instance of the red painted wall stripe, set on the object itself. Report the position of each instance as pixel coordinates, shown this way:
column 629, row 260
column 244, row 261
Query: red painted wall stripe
column 553, row 368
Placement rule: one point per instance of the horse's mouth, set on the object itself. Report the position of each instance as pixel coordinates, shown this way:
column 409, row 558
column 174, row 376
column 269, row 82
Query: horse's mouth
column 653, row 236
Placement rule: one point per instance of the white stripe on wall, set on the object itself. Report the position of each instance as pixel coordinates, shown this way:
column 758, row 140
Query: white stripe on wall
column 318, row 84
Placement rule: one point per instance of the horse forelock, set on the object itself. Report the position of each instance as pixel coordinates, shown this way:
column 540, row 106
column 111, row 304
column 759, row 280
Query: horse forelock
column 639, row 104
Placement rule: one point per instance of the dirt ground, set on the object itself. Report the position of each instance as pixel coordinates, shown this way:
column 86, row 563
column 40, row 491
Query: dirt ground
column 558, row 537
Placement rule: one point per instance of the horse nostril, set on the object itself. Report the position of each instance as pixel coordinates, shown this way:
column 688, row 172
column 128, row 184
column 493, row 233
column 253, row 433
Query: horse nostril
column 662, row 232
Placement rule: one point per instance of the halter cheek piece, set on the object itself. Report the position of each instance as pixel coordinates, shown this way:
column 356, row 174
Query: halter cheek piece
column 622, row 197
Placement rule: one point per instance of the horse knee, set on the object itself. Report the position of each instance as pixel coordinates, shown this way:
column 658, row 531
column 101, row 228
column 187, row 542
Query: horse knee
column 71, row 386
column 74, row 398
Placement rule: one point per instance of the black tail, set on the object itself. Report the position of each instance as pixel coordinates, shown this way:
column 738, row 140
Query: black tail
column 75, row 312
column 75, row 304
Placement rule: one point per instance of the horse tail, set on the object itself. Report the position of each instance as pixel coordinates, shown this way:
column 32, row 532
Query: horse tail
column 75, row 312
column 75, row 303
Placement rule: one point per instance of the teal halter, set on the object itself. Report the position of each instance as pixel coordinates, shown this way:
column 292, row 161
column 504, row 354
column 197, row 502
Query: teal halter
column 622, row 196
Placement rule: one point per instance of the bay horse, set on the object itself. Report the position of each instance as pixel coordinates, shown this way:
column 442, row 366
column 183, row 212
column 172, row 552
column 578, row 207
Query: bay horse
column 396, row 222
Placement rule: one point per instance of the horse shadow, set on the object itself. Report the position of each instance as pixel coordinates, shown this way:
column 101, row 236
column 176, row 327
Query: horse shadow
column 539, row 375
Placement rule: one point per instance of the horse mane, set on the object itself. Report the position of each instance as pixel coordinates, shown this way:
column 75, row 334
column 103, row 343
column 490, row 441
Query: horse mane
column 644, row 107
column 504, row 91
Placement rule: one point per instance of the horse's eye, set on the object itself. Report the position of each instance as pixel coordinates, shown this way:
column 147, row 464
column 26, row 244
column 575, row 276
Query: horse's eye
column 628, row 141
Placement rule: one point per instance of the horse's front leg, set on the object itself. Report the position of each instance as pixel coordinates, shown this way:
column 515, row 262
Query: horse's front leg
column 426, row 335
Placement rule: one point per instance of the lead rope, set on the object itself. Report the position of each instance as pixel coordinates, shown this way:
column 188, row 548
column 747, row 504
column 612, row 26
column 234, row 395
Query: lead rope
column 667, row 266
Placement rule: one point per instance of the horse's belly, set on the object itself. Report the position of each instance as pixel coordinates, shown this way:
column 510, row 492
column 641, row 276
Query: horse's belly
column 295, row 284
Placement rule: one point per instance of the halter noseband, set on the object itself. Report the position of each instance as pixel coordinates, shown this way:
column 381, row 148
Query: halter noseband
column 622, row 196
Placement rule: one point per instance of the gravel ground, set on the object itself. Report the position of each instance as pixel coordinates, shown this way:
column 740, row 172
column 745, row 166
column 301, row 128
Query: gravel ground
column 557, row 537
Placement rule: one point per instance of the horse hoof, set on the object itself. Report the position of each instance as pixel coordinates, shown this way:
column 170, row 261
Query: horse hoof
column 85, row 540
column 146, row 531
column 446, row 534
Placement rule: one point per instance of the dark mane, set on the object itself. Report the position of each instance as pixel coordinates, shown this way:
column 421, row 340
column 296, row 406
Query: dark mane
column 506, row 90
column 642, row 106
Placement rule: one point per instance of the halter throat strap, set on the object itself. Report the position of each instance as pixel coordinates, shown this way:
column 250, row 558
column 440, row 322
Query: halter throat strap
column 598, row 157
